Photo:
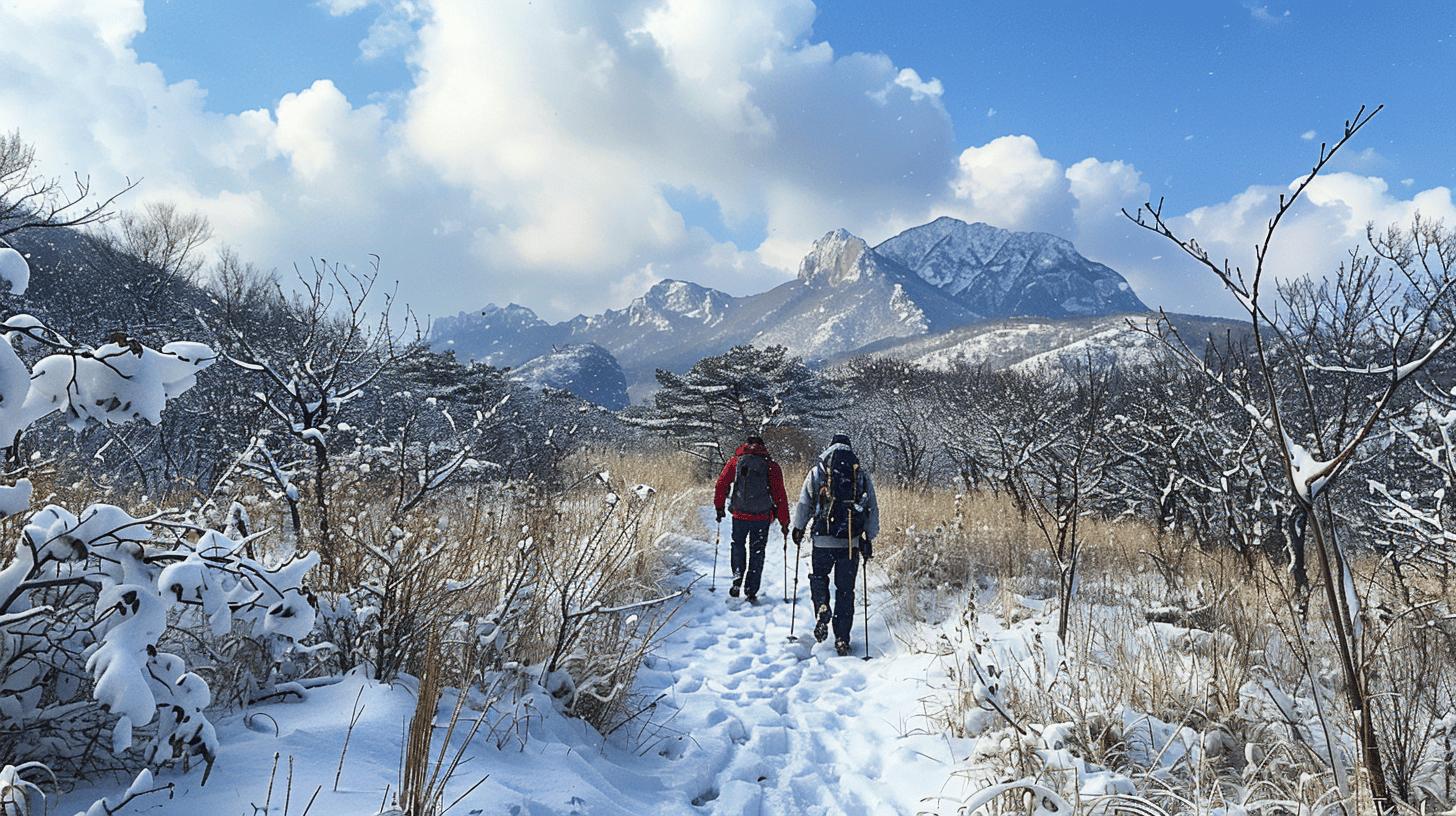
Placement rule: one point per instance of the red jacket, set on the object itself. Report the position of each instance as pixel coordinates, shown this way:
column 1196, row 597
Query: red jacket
column 775, row 487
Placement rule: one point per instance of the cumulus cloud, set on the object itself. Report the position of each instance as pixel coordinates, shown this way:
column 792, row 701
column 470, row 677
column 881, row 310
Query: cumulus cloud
column 1009, row 183
column 1316, row 236
column 919, row 88
column 530, row 157
column 528, row 160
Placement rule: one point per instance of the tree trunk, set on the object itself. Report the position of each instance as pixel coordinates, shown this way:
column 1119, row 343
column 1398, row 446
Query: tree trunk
column 1356, row 691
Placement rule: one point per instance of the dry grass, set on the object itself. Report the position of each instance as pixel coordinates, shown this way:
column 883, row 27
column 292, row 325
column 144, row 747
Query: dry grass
column 1235, row 650
column 512, row 577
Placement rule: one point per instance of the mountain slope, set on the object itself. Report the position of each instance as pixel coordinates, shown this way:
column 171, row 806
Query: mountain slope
column 498, row 335
column 585, row 370
column 847, row 295
column 1037, row 343
column 1010, row 274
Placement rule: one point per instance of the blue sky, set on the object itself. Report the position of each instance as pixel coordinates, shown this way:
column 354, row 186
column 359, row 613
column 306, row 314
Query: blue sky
column 567, row 153
column 1244, row 80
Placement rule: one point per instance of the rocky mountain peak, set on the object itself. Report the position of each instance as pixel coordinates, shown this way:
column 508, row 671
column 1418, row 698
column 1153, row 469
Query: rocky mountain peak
column 669, row 301
column 1002, row 273
column 942, row 276
column 839, row 257
column 512, row 314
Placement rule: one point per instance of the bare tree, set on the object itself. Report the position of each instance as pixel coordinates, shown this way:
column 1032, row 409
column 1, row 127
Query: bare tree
column 1066, row 469
column 1331, row 357
column 30, row 199
column 331, row 351
column 894, row 412
column 165, row 238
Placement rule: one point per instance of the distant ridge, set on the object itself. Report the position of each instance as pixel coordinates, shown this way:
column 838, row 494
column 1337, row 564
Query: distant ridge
column 848, row 295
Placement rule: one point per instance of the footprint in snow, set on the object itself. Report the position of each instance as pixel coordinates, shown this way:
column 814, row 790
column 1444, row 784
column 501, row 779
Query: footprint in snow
column 673, row 749
column 771, row 742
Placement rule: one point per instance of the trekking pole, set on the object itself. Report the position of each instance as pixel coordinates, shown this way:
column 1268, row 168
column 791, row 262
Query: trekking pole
column 717, row 544
column 865, row 571
column 794, row 610
column 786, row 567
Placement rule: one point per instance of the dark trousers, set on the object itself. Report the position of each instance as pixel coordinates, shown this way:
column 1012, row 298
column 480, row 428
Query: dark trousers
column 834, row 561
column 750, row 540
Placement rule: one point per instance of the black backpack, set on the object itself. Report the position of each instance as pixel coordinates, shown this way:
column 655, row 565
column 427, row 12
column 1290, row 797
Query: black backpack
column 751, row 494
column 839, row 496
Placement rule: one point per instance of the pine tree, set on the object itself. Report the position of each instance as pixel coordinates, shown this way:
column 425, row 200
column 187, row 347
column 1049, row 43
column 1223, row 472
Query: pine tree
column 744, row 390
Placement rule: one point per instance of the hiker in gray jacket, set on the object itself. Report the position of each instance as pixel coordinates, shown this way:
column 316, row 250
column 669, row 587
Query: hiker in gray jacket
column 838, row 500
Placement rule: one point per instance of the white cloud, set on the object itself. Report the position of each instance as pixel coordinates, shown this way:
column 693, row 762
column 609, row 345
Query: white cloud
column 1103, row 189
column 343, row 8
column 1009, row 183
column 1308, row 135
column 528, row 161
column 1318, row 233
column 1263, row 14
column 580, row 114
column 919, row 88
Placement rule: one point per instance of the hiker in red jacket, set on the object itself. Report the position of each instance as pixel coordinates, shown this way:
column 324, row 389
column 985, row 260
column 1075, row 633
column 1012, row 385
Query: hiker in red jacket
column 756, row 486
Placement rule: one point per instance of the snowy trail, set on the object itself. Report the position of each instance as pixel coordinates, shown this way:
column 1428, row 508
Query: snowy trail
column 748, row 723
column 790, row 727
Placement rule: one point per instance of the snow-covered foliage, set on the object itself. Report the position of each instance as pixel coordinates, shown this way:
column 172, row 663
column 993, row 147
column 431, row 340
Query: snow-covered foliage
column 14, row 271
column 87, row 599
column 708, row 410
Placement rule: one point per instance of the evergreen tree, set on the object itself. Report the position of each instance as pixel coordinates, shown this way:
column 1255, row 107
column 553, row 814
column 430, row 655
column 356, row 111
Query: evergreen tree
column 744, row 390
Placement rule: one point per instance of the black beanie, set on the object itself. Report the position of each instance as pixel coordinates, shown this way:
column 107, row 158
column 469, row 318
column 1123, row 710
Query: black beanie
column 840, row 439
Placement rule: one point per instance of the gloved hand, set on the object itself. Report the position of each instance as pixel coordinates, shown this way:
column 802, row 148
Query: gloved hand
column 867, row 548
column 798, row 535
column 720, row 514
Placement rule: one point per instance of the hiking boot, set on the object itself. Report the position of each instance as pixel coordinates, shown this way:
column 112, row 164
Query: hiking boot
column 821, row 627
column 733, row 591
column 841, row 647
column 751, row 597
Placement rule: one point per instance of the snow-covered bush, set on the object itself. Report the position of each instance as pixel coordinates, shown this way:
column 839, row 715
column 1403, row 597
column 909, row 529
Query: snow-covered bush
column 88, row 598
column 88, row 604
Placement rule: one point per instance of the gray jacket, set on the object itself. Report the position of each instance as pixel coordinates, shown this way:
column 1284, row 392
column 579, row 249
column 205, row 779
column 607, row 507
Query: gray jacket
column 867, row 521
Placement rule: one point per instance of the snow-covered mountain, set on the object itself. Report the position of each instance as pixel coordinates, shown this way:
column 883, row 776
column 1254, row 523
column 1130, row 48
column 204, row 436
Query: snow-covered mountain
column 847, row 296
column 585, row 370
column 1010, row 274
column 1030, row 344
column 499, row 335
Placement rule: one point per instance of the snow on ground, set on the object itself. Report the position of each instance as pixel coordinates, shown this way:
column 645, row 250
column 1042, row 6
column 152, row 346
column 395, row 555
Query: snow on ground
column 748, row 723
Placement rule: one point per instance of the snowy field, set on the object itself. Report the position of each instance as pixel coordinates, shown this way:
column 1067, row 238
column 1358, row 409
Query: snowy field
column 746, row 722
